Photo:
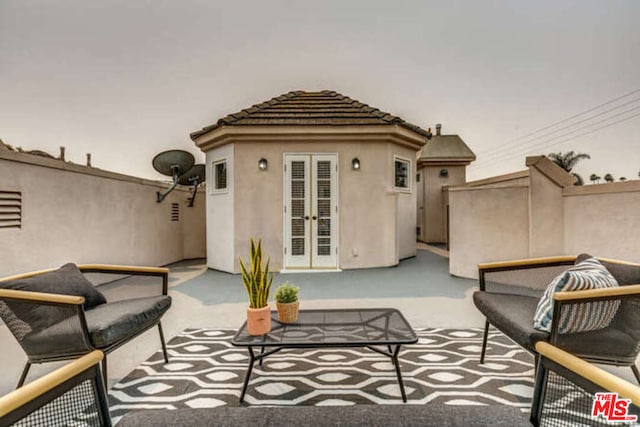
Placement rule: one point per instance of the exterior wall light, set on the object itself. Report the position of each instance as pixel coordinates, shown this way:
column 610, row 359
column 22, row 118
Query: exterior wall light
column 444, row 173
column 355, row 164
column 262, row 164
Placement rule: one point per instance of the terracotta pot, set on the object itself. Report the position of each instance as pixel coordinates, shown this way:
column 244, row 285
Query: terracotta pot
column 288, row 311
column 258, row 320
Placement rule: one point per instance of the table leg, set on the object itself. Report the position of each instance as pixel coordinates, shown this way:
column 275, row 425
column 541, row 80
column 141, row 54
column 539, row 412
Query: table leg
column 261, row 353
column 394, row 357
column 248, row 374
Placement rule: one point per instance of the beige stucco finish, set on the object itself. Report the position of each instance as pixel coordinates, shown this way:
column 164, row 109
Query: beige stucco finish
column 546, row 216
column 603, row 220
column 71, row 213
column 433, row 208
column 376, row 223
column 541, row 213
column 487, row 225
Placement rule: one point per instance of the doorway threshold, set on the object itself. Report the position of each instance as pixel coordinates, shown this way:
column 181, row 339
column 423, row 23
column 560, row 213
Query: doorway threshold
column 309, row 270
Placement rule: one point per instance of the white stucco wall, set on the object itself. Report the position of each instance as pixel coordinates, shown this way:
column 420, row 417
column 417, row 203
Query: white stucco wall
column 405, row 203
column 220, row 213
column 603, row 220
column 71, row 213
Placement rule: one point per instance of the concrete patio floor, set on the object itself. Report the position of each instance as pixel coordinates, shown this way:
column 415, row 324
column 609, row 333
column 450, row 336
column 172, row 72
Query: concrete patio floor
column 420, row 287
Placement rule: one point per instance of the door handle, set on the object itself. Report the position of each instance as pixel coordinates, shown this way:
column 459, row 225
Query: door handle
column 306, row 218
column 314, row 217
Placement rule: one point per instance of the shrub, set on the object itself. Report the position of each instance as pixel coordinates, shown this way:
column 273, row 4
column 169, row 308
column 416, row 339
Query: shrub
column 287, row 293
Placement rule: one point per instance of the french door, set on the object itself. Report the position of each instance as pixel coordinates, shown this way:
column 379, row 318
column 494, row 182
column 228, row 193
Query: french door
column 310, row 211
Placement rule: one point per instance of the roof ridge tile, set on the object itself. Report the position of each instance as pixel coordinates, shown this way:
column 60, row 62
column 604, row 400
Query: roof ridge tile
column 310, row 108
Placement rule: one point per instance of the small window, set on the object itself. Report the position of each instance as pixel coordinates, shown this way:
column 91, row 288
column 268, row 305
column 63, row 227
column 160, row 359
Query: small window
column 402, row 168
column 10, row 209
column 219, row 176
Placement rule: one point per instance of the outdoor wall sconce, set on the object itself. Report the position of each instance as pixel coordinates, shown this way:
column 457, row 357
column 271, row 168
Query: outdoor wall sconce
column 355, row 164
column 262, row 164
column 444, row 173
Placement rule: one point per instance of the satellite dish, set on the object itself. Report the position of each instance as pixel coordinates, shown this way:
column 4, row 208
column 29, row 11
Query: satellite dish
column 194, row 176
column 173, row 163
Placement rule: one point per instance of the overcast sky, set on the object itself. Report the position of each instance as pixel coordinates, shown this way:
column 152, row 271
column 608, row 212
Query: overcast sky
column 127, row 79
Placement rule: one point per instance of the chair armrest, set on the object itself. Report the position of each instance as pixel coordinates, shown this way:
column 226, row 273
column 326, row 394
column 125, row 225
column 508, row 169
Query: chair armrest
column 588, row 295
column 517, row 264
column 130, row 270
column 47, row 383
column 41, row 297
column 70, row 306
column 538, row 280
column 590, row 372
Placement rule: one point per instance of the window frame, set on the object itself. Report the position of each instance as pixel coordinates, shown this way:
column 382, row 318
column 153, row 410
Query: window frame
column 409, row 176
column 214, row 176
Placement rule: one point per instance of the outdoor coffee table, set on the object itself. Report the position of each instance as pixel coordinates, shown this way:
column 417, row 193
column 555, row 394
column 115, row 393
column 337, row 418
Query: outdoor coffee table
column 365, row 327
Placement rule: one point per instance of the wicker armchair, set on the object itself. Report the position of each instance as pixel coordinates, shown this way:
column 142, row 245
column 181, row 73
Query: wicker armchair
column 59, row 326
column 71, row 395
column 510, row 291
column 565, row 390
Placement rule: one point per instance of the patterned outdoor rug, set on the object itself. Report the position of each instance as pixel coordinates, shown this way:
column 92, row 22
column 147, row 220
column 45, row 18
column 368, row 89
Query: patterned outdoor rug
column 207, row 371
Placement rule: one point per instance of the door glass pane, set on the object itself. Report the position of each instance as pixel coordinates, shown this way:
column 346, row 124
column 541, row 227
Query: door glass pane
column 323, row 202
column 324, row 189
column 324, row 208
column 297, row 169
column 298, row 226
column 297, row 189
column 324, row 169
column 297, row 246
column 297, row 208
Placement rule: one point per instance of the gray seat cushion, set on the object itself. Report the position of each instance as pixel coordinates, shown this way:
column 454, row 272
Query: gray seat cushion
column 114, row 321
column 431, row 414
column 511, row 314
column 67, row 280
column 107, row 324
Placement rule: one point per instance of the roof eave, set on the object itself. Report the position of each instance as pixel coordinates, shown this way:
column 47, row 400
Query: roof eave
column 222, row 135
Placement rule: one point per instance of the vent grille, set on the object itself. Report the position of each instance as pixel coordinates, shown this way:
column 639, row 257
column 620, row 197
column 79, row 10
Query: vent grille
column 10, row 209
column 175, row 212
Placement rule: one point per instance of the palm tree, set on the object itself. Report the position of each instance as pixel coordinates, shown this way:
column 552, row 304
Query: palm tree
column 594, row 178
column 608, row 177
column 567, row 161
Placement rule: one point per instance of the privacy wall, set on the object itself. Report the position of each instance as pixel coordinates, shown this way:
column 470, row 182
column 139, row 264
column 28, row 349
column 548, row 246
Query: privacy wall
column 538, row 213
column 53, row 212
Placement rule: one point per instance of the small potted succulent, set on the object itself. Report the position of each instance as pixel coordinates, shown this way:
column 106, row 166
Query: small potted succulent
column 287, row 302
column 257, row 281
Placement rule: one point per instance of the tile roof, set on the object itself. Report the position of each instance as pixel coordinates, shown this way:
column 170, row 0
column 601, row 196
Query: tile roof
column 300, row 108
column 447, row 147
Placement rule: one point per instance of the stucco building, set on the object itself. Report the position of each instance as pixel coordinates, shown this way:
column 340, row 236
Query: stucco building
column 442, row 163
column 326, row 181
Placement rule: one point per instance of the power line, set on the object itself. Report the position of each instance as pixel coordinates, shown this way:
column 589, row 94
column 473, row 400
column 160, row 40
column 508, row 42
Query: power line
column 490, row 153
column 567, row 119
column 497, row 156
column 481, row 166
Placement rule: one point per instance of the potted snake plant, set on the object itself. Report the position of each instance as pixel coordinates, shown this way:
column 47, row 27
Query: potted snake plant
column 257, row 281
column 287, row 302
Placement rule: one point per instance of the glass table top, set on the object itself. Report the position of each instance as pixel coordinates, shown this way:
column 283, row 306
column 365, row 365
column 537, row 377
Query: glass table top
column 334, row 327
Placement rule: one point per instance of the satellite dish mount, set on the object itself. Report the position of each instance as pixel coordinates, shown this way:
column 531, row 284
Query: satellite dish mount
column 195, row 176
